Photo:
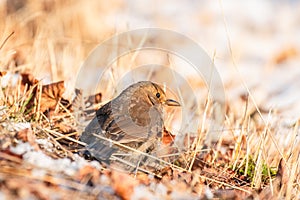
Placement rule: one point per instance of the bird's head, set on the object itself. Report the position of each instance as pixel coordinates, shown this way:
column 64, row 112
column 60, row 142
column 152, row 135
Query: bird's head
column 157, row 96
column 142, row 101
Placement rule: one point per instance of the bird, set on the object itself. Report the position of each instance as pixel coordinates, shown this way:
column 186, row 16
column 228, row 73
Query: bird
column 133, row 119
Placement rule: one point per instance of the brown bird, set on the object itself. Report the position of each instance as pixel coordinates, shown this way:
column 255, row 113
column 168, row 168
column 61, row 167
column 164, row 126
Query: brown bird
column 133, row 119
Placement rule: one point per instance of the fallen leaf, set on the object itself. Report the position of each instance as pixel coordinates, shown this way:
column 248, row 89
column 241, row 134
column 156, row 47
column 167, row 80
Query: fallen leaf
column 88, row 174
column 26, row 135
column 94, row 99
column 3, row 73
column 51, row 95
column 167, row 137
column 81, row 102
column 285, row 54
column 123, row 184
column 143, row 178
column 28, row 79
column 64, row 128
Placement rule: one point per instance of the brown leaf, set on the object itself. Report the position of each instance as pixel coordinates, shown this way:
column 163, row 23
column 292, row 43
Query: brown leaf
column 94, row 99
column 123, row 184
column 22, row 135
column 167, row 137
column 53, row 90
column 51, row 95
column 64, row 128
column 81, row 102
column 26, row 135
column 28, row 79
column 3, row 74
column 143, row 178
column 88, row 173
column 285, row 54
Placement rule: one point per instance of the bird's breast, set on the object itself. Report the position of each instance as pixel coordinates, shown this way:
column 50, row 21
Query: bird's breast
column 144, row 114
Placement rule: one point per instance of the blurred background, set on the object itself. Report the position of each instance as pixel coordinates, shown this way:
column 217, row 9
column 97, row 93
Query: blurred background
column 254, row 44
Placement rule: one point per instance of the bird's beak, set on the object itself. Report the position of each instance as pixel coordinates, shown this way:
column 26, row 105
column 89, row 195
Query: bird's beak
column 171, row 102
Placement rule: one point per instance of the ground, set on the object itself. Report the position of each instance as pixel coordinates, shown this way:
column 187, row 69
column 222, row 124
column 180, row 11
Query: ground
column 49, row 93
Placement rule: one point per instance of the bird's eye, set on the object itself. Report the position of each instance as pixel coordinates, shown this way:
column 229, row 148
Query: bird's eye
column 157, row 95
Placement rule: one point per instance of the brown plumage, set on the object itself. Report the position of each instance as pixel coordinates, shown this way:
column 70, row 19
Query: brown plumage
column 134, row 118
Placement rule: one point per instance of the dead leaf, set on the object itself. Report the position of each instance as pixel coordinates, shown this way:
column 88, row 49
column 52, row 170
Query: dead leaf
column 22, row 135
column 28, row 79
column 94, row 99
column 26, row 135
column 51, row 94
column 285, row 54
column 3, row 74
column 143, row 178
column 81, row 102
column 167, row 137
column 88, row 173
column 64, row 128
column 123, row 184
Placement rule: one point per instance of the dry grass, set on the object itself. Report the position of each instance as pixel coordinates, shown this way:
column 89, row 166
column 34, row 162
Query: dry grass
column 50, row 40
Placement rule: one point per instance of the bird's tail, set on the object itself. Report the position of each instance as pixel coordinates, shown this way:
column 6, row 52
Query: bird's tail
column 96, row 148
column 100, row 151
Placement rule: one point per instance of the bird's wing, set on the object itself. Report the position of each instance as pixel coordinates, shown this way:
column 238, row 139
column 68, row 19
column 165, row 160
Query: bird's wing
column 135, row 124
column 92, row 128
column 119, row 128
column 98, row 148
column 124, row 130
